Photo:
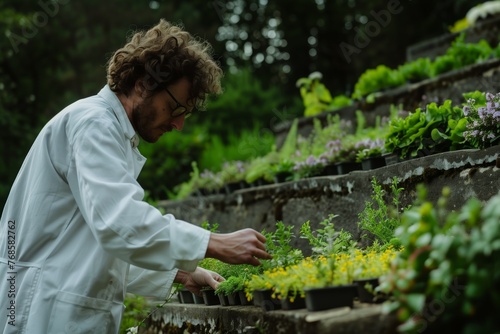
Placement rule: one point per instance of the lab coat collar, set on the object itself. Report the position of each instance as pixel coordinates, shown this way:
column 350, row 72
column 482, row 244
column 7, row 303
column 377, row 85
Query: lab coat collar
column 110, row 97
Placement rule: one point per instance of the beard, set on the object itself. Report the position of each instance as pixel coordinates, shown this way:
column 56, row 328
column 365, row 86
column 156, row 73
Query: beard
column 143, row 116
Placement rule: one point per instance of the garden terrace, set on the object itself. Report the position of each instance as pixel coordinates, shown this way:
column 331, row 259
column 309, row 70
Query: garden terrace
column 468, row 173
column 448, row 86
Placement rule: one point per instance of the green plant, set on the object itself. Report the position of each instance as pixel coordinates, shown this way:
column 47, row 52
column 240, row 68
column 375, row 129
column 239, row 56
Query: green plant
column 438, row 128
column 369, row 148
column 442, row 64
column 317, row 98
column 416, row 70
column 135, row 311
column 379, row 218
column 231, row 285
column 376, row 80
column 461, row 54
column 134, row 316
column 232, row 171
column 187, row 188
column 372, row 262
column 284, row 168
column 244, row 146
column 279, row 245
column 341, row 101
column 326, row 241
column 449, row 259
column 261, row 168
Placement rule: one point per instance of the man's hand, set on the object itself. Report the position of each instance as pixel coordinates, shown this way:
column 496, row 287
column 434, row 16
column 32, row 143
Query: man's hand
column 245, row 246
column 198, row 279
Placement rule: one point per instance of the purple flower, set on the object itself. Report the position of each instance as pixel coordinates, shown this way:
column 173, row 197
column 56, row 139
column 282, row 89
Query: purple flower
column 466, row 110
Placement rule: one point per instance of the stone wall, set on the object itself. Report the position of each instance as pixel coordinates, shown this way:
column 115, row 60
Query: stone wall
column 177, row 318
column 468, row 173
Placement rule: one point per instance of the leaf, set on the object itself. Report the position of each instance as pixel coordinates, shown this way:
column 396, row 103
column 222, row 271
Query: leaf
column 416, row 301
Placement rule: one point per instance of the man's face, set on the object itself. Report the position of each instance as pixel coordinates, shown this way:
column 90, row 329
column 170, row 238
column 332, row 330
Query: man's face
column 152, row 117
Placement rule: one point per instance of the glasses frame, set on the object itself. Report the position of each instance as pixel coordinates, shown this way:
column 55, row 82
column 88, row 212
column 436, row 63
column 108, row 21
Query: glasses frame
column 179, row 109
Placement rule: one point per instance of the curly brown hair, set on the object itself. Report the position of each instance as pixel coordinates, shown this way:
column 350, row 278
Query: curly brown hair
column 161, row 56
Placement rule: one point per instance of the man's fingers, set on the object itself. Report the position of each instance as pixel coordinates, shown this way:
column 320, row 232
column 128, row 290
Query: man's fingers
column 261, row 254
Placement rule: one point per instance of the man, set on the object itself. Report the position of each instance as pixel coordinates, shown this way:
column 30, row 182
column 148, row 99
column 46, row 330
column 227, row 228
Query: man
column 75, row 232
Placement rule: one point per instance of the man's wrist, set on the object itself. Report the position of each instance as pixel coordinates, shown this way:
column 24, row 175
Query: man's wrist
column 181, row 276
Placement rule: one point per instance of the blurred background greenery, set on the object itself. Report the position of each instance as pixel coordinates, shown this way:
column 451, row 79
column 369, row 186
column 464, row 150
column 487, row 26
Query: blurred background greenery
column 55, row 52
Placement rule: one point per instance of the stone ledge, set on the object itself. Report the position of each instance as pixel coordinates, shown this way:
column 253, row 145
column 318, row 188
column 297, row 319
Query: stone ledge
column 468, row 173
column 176, row 318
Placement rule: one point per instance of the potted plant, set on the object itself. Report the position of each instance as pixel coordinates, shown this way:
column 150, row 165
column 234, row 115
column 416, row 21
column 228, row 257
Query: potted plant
column 208, row 183
column 369, row 266
column 327, row 286
column 310, row 167
column 230, row 288
column 232, row 175
column 482, row 113
column 234, row 285
column 369, row 153
column 260, row 287
column 283, row 171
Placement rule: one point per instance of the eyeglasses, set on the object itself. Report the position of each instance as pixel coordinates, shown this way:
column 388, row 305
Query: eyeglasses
column 179, row 109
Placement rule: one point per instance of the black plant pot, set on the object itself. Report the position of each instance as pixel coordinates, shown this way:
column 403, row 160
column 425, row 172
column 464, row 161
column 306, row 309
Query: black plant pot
column 373, row 163
column 186, row 296
column 318, row 299
column 331, row 169
column 391, row 159
column 347, row 167
column 204, row 192
column 282, row 177
column 223, row 300
column 298, row 303
column 232, row 187
column 243, row 298
column 234, row 299
column 210, row 298
column 264, row 300
column 364, row 294
column 198, row 299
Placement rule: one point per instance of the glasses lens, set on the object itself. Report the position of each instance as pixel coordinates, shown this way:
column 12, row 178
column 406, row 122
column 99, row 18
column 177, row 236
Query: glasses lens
column 179, row 111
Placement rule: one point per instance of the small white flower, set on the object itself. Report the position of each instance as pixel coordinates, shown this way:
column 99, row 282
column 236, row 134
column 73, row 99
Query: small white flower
column 132, row 330
column 316, row 75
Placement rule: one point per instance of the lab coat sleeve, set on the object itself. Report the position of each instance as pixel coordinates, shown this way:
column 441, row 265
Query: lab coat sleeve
column 111, row 201
column 150, row 283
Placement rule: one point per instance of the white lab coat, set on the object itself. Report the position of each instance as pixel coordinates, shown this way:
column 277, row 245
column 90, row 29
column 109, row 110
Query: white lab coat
column 76, row 231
